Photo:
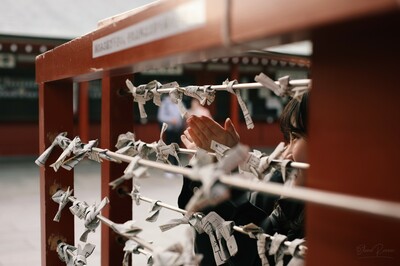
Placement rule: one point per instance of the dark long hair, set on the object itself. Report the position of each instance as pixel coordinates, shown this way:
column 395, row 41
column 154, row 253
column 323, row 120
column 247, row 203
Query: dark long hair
column 294, row 117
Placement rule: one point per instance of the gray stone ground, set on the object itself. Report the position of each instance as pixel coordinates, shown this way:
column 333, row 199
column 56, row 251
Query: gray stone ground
column 19, row 197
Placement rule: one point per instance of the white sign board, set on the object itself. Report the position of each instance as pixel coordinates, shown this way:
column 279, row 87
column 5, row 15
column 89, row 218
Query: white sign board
column 183, row 18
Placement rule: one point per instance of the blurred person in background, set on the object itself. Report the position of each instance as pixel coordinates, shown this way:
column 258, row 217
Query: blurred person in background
column 169, row 113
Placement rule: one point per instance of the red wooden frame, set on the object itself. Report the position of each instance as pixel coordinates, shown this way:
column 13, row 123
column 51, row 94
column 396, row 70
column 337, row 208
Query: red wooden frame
column 354, row 129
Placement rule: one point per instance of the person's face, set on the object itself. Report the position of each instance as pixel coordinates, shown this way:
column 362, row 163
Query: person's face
column 296, row 151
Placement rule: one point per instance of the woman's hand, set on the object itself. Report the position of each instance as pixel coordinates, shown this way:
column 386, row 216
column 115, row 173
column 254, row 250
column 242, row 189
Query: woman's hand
column 202, row 130
column 188, row 141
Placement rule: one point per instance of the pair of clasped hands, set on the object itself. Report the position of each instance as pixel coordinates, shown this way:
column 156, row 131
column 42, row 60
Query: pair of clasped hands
column 202, row 130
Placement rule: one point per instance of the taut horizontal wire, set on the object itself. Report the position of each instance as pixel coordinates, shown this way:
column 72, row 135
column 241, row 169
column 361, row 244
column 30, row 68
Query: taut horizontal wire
column 108, row 222
column 354, row 203
column 239, row 229
column 292, row 164
column 253, row 85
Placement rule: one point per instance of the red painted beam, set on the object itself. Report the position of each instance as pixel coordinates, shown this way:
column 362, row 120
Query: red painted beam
column 75, row 60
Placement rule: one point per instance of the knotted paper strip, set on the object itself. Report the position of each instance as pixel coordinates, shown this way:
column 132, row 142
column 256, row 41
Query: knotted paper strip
column 204, row 94
column 128, row 229
column 62, row 198
column 221, row 237
column 154, row 211
column 294, row 249
column 278, row 248
column 176, row 97
column 91, row 220
column 265, row 161
column 140, row 95
column 133, row 170
column 60, row 140
column 80, row 153
column 73, row 145
column 242, row 104
column 126, row 144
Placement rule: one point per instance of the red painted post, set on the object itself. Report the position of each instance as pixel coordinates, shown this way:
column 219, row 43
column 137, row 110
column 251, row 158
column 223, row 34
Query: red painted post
column 234, row 105
column 116, row 118
column 84, row 123
column 354, row 115
column 55, row 116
